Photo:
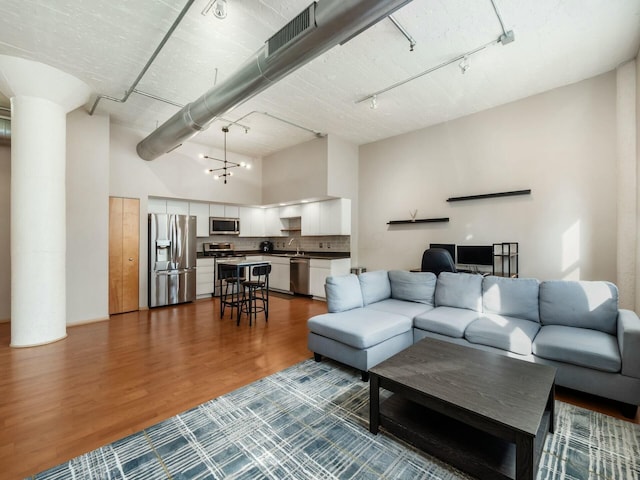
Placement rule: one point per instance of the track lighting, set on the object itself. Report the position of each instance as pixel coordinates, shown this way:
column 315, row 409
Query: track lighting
column 219, row 8
column 464, row 65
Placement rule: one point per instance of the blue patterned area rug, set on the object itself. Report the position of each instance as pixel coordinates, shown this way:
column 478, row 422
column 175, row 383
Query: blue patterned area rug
column 310, row 421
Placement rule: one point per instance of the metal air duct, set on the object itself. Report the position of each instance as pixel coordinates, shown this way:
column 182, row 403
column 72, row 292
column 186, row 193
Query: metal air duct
column 5, row 131
column 318, row 28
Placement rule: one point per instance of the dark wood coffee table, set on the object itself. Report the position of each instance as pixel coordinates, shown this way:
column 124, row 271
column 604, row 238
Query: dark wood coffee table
column 484, row 413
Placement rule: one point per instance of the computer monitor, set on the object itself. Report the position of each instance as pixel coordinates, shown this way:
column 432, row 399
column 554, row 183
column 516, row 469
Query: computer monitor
column 450, row 247
column 475, row 254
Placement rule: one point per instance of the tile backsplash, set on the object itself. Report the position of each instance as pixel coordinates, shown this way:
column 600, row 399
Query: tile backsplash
column 329, row 243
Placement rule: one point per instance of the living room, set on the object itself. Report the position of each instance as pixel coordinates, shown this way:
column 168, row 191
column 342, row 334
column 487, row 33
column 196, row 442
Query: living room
column 573, row 145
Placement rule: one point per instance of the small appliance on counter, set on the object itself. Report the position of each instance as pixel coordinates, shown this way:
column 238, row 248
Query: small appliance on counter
column 266, row 247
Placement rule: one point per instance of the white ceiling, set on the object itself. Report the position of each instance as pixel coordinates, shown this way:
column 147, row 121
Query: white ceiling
column 106, row 44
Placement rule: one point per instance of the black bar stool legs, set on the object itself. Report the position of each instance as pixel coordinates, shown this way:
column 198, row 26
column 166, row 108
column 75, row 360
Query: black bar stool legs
column 255, row 293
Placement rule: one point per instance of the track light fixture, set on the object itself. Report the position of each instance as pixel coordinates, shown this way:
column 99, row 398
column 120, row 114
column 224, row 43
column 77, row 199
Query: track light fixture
column 464, row 65
column 219, row 8
column 224, row 171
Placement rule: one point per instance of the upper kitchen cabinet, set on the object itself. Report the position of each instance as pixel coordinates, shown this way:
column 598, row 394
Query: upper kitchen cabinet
column 273, row 224
column 178, row 207
column 331, row 217
column 310, row 221
column 201, row 211
column 289, row 211
column 252, row 222
column 156, row 205
column 224, row 211
column 335, row 217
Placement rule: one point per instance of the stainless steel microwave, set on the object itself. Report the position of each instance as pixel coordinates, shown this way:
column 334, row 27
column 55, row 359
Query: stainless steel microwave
column 224, row 226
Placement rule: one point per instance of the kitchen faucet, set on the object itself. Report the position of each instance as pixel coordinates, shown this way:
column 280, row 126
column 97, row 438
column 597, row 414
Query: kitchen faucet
column 297, row 245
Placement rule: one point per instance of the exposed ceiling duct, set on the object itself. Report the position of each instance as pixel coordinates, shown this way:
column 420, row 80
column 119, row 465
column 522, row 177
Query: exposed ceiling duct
column 318, row 28
column 5, row 131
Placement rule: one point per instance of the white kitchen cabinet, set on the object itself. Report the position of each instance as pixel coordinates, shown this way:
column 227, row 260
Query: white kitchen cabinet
column 320, row 269
column 201, row 211
column 251, row 222
column 335, row 217
column 273, row 224
column 329, row 217
column 310, row 221
column 216, row 210
column 279, row 279
column 232, row 211
column 289, row 211
column 156, row 205
column 178, row 207
column 204, row 277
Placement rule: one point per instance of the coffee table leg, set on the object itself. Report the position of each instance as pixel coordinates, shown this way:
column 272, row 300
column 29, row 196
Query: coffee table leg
column 551, row 406
column 524, row 458
column 374, row 403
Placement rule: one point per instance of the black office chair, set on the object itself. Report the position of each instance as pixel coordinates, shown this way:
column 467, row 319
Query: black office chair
column 437, row 260
column 256, row 290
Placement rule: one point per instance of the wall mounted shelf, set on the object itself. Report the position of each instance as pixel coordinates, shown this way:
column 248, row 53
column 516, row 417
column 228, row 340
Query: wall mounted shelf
column 490, row 195
column 419, row 220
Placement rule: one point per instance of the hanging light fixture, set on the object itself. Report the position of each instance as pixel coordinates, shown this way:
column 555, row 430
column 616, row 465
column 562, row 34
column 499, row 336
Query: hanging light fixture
column 225, row 170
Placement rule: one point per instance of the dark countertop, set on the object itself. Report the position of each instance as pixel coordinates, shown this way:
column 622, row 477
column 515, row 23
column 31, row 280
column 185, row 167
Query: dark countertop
column 317, row 255
column 321, row 255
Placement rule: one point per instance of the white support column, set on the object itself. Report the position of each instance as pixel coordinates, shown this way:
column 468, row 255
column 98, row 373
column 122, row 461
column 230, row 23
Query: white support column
column 41, row 96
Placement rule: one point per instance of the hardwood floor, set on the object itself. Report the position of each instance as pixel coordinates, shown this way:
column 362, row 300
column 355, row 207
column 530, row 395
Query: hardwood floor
column 109, row 379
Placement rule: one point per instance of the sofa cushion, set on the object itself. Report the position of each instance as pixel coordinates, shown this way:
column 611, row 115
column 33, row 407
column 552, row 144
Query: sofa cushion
column 343, row 293
column 375, row 286
column 582, row 304
column 507, row 333
column 413, row 286
column 578, row 346
column 460, row 290
column 393, row 305
column 448, row 321
column 360, row 328
column 513, row 297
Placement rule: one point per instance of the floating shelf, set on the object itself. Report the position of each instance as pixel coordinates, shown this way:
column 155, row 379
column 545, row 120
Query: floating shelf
column 419, row 220
column 290, row 229
column 490, row 195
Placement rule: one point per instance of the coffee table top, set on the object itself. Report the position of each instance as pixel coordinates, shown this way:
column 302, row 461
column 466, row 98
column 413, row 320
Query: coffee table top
column 509, row 391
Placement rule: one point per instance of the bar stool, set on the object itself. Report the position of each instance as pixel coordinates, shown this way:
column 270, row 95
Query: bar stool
column 230, row 284
column 255, row 293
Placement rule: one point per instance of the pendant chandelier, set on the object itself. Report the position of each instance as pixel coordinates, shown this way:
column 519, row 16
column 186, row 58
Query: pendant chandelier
column 226, row 169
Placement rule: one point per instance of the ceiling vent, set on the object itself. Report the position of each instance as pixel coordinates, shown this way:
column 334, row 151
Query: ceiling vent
column 296, row 27
column 318, row 28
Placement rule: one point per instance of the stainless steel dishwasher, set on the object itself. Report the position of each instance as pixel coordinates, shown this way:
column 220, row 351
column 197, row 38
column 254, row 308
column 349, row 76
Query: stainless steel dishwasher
column 299, row 275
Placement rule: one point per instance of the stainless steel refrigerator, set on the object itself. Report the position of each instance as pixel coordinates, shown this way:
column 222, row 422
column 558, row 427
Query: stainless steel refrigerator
column 172, row 259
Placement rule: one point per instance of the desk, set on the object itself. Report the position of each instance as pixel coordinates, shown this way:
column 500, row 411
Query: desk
column 239, row 265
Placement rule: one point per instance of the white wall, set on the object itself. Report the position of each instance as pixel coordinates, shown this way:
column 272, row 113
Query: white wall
column 87, row 192
column 561, row 144
column 179, row 174
column 5, row 231
column 296, row 173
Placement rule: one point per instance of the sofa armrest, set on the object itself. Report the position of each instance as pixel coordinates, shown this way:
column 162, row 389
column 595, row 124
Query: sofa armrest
column 629, row 342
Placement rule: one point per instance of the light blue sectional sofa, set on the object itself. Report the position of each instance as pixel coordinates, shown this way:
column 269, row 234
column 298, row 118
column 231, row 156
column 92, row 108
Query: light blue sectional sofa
column 574, row 326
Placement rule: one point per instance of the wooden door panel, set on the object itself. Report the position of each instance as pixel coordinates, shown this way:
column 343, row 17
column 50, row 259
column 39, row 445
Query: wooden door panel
column 124, row 238
column 115, row 255
column 130, row 257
